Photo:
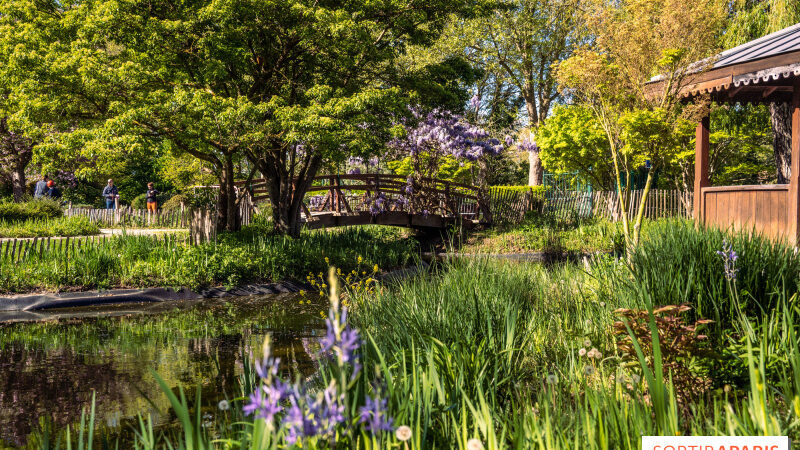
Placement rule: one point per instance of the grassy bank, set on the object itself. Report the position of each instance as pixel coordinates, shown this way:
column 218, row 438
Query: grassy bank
column 486, row 354
column 546, row 234
column 62, row 226
column 249, row 256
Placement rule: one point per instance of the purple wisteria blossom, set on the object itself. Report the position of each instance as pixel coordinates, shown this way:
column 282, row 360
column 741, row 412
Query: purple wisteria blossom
column 475, row 102
column 729, row 258
column 374, row 415
column 449, row 134
column 528, row 145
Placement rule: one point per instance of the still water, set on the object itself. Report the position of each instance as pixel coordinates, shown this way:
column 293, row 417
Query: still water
column 51, row 368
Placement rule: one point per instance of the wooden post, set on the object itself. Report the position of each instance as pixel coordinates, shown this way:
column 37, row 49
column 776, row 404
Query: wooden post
column 700, row 166
column 794, row 179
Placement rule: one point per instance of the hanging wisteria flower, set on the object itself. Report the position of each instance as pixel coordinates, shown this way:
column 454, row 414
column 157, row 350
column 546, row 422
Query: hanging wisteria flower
column 374, row 415
column 475, row 102
column 443, row 132
column 527, row 145
column 729, row 258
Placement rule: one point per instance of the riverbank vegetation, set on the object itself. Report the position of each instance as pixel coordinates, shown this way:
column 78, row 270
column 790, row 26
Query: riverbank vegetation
column 696, row 335
column 251, row 256
column 62, row 226
column 544, row 233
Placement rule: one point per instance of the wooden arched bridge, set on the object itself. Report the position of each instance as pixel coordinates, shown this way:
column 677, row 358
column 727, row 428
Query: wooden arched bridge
column 385, row 199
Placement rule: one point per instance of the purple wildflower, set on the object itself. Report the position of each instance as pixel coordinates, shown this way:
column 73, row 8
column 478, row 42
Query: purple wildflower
column 340, row 341
column 374, row 415
column 729, row 258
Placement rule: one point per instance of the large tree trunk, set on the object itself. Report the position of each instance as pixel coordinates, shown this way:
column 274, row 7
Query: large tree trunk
column 227, row 214
column 535, row 169
column 286, row 190
column 16, row 152
column 18, row 183
column 781, row 115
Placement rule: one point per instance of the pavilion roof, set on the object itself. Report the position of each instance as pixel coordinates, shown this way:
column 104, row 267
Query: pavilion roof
column 761, row 70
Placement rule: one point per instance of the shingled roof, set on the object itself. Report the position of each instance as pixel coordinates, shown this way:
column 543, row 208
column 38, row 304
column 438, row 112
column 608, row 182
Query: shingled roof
column 783, row 41
column 761, row 70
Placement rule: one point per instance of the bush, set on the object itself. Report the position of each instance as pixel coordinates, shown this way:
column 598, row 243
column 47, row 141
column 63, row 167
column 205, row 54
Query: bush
column 62, row 226
column 36, row 209
column 537, row 191
column 175, row 202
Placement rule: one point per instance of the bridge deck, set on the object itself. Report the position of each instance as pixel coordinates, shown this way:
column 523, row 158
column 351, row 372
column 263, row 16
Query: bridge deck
column 391, row 218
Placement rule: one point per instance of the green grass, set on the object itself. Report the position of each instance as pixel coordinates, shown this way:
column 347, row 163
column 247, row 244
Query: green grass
column 544, row 234
column 62, row 226
column 250, row 256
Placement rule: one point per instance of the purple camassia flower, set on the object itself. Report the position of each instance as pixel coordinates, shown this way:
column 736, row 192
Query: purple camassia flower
column 374, row 415
column 340, row 341
column 729, row 258
column 266, row 401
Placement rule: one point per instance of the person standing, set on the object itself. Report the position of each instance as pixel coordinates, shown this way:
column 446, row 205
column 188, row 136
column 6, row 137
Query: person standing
column 53, row 191
column 41, row 187
column 111, row 194
column 152, row 198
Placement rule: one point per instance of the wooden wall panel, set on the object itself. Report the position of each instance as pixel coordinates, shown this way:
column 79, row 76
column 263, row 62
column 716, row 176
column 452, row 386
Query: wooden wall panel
column 762, row 209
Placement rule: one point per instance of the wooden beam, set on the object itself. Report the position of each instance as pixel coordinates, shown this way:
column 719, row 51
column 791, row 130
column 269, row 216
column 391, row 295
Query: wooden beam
column 794, row 179
column 735, row 91
column 701, row 150
column 768, row 91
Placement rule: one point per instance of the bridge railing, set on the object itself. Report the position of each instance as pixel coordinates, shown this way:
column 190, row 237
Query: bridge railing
column 378, row 193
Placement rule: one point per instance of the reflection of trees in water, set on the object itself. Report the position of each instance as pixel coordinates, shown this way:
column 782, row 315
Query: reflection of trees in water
column 58, row 383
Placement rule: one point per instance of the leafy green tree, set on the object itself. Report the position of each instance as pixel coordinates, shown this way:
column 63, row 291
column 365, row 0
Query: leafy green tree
column 572, row 140
column 634, row 40
column 288, row 85
column 750, row 20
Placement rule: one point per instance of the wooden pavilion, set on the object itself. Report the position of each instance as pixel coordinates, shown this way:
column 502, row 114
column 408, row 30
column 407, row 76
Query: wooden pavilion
column 766, row 70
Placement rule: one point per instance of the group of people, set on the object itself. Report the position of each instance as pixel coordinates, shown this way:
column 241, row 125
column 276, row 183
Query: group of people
column 111, row 195
column 47, row 188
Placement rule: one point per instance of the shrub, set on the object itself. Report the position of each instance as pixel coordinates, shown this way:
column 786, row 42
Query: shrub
column 175, row 202
column 36, row 209
column 62, row 226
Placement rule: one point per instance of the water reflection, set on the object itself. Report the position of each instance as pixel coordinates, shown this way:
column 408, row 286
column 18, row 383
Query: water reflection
column 51, row 369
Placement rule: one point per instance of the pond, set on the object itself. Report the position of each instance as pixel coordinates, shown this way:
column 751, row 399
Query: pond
column 51, row 368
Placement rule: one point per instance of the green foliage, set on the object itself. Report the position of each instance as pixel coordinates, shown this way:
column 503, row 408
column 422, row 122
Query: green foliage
column 450, row 169
column 175, row 202
column 537, row 191
column 61, row 226
column 571, row 139
column 36, row 209
column 741, row 145
column 249, row 256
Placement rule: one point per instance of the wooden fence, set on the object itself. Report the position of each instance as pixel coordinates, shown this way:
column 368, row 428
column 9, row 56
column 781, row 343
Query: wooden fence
column 174, row 218
column 512, row 206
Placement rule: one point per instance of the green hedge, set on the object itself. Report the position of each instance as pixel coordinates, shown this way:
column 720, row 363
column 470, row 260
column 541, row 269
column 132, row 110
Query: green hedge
column 536, row 190
column 36, row 209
